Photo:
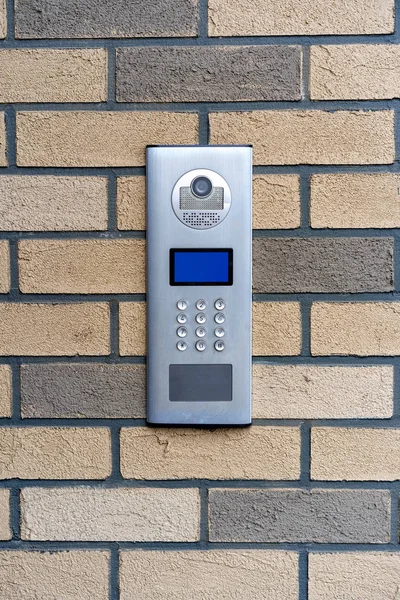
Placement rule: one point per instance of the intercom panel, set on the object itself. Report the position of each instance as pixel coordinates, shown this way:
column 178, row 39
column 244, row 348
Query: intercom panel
column 199, row 236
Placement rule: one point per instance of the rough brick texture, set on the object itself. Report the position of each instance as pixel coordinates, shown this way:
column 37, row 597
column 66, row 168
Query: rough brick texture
column 91, row 514
column 304, row 17
column 351, row 200
column 4, row 267
column 260, row 453
column 323, row 516
column 5, row 391
column 309, row 137
column 97, row 139
column 3, row 143
column 214, row 74
column 3, row 19
column 226, row 574
column 68, row 575
column 5, row 530
column 100, row 18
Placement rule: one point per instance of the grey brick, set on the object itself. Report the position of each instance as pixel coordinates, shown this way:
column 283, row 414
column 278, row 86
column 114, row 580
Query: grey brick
column 324, row 516
column 82, row 390
column 105, row 18
column 214, row 74
column 291, row 265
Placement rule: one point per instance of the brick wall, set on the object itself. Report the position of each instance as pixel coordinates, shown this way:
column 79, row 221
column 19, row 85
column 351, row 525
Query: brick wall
column 303, row 505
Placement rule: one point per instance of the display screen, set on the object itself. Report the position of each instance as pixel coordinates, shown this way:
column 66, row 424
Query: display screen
column 201, row 266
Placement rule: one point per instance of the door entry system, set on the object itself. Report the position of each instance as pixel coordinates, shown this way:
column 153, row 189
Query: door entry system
column 199, row 235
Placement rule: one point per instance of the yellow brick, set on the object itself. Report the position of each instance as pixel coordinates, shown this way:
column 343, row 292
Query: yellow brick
column 3, row 19
column 255, row 453
column 62, row 75
column 4, row 267
column 222, row 574
column 5, row 530
column 5, row 391
column 68, row 575
column 309, row 137
column 322, row 392
column 54, row 329
column 354, row 576
column 300, row 17
column 349, row 200
column 360, row 328
column 96, row 514
column 276, row 328
column 82, row 266
column 355, row 72
column 356, row 454
column 132, row 328
column 3, row 143
column 276, row 202
column 98, row 139
column 55, row 453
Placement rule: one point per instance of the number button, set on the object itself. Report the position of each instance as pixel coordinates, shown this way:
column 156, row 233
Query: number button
column 181, row 318
column 181, row 346
column 219, row 346
column 201, row 304
column 200, row 346
column 200, row 332
column 181, row 332
column 201, row 318
column 219, row 318
column 219, row 304
column 219, row 332
column 182, row 305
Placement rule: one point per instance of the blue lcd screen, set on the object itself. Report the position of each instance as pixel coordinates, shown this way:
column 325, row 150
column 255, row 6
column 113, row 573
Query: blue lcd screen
column 201, row 267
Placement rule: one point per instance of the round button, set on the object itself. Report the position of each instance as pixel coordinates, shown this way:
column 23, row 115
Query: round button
column 219, row 318
column 181, row 346
column 200, row 346
column 201, row 318
column 181, row 305
column 200, row 332
column 181, row 318
column 219, row 304
column 219, row 346
column 181, row 332
column 219, row 332
column 201, row 304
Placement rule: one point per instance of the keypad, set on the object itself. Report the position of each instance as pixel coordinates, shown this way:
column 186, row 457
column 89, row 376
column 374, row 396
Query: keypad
column 195, row 331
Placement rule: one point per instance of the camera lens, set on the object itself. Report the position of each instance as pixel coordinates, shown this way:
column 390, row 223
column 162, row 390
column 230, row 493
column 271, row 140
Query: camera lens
column 201, row 187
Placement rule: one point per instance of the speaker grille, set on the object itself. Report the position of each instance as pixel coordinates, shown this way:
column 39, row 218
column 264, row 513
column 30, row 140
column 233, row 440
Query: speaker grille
column 188, row 201
column 201, row 219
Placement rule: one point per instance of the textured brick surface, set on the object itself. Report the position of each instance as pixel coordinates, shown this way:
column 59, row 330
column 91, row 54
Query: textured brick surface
column 223, row 574
column 323, row 516
column 5, row 391
column 291, row 265
column 309, row 137
column 97, row 139
column 276, row 328
column 82, row 266
column 257, row 453
column 132, row 328
column 4, row 268
column 3, row 19
column 83, row 390
column 322, row 392
column 55, row 453
column 111, row 514
column 355, row 72
column 68, row 575
column 54, row 329
column 131, row 203
column 351, row 200
column 5, row 530
column 354, row 576
column 363, row 329
column 3, row 143
column 47, row 203
column 100, row 18
column 41, row 75
column 355, row 454
column 304, row 17
column 213, row 74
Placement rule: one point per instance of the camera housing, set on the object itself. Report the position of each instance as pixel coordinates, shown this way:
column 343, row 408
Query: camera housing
column 201, row 187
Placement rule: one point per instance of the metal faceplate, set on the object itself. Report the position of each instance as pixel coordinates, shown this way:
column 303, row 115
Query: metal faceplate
column 201, row 213
column 196, row 373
